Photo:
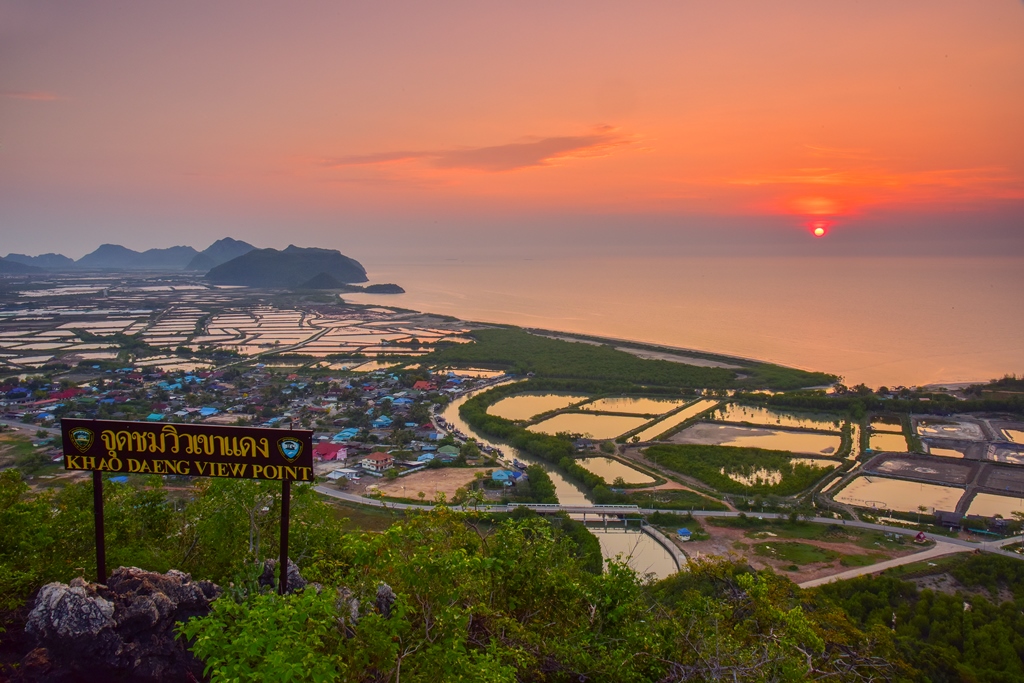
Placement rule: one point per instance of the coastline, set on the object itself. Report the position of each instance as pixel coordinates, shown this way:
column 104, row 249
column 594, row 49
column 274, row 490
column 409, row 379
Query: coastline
column 900, row 321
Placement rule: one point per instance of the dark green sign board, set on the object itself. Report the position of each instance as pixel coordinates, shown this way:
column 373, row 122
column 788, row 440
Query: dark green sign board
column 188, row 449
column 119, row 447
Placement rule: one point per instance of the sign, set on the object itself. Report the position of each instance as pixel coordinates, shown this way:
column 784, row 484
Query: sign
column 187, row 449
column 191, row 450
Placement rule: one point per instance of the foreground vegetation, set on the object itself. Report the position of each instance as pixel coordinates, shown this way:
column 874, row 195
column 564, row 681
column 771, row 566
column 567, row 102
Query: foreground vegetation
column 515, row 604
column 973, row 634
column 464, row 597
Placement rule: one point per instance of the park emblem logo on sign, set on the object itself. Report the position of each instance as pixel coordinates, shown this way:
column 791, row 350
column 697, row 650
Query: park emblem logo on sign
column 290, row 448
column 82, row 438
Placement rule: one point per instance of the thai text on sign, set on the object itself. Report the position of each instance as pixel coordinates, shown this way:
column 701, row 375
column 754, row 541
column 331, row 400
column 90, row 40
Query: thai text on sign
column 187, row 449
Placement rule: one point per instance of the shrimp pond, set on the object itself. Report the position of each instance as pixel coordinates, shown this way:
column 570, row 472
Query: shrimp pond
column 611, row 469
column 886, row 424
column 592, row 426
column 735, row 412
column 990, row 505
column 673, row 421
column 526, row 406
column 883, row 493
column 883, row 441
column 757, row 437
column 1014, row 435
column 636, row 406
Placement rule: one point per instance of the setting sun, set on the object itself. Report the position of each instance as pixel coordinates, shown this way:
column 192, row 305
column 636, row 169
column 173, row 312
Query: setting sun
column 819, row 228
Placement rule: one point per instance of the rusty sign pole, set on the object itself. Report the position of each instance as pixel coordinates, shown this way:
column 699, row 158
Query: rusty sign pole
column 286, row 504
column 97, row 518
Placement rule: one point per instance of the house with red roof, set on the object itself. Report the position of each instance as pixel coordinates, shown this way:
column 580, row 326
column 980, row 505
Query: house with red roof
column 377, row 462
column 326, row 451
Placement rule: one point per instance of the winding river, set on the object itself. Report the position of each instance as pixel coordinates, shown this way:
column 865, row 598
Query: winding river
column 640, row 551
column 567, row 492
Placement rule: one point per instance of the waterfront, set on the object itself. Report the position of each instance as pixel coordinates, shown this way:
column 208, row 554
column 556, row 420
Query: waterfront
column 810, row 313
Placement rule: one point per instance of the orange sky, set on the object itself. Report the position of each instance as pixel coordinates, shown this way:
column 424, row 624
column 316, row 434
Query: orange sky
column 117, row 117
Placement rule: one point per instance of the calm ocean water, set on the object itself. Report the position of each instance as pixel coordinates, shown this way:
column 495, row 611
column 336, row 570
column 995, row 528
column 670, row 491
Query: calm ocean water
column 881, row 321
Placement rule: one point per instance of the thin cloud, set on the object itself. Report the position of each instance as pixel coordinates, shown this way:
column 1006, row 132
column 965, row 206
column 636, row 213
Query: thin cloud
column 31, row 95
column 497, row 158
column 948, row 177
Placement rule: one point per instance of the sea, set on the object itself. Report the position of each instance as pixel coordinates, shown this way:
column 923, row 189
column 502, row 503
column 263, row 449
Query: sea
column 880, row 321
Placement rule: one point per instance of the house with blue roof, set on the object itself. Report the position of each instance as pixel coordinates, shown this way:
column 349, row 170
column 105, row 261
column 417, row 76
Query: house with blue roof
column 17, row 394
column 346, row 434
column 382, row 422
column 508, row 477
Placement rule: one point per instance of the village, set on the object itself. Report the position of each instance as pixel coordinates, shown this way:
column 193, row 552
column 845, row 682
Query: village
column 369, row 429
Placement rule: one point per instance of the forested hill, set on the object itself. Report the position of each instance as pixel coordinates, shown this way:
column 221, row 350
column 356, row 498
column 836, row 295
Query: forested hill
column 289, row 267
column 960, row 619
column 520, row 352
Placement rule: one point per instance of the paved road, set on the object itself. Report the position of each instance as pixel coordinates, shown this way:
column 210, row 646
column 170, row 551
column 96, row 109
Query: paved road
column 55, row 431
column 940, row 549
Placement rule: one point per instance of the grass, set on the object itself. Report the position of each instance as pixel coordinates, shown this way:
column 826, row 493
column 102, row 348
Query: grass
column 18, row 451
column 359, row 518
column 860, row 560
column 812, row 531
column 937, row 565
column 871, row 540
column 672, row 499
column 669, row 522
column 795, row 552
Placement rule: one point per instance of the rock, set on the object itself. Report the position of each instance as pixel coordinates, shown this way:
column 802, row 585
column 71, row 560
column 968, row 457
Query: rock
column 385, row 599
column 295, row 580
column 68, row 611
column 347, row 607
column 124, row 631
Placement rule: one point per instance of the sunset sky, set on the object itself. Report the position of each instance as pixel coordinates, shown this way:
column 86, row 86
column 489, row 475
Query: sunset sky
column 325, row 123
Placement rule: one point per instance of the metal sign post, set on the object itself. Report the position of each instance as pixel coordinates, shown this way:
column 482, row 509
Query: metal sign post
column 97, row 516
column 191, row 450
column 286, row 504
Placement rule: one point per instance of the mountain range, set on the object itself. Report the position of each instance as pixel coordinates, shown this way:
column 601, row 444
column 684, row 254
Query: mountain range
column 226, row 262
column 116, row 257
